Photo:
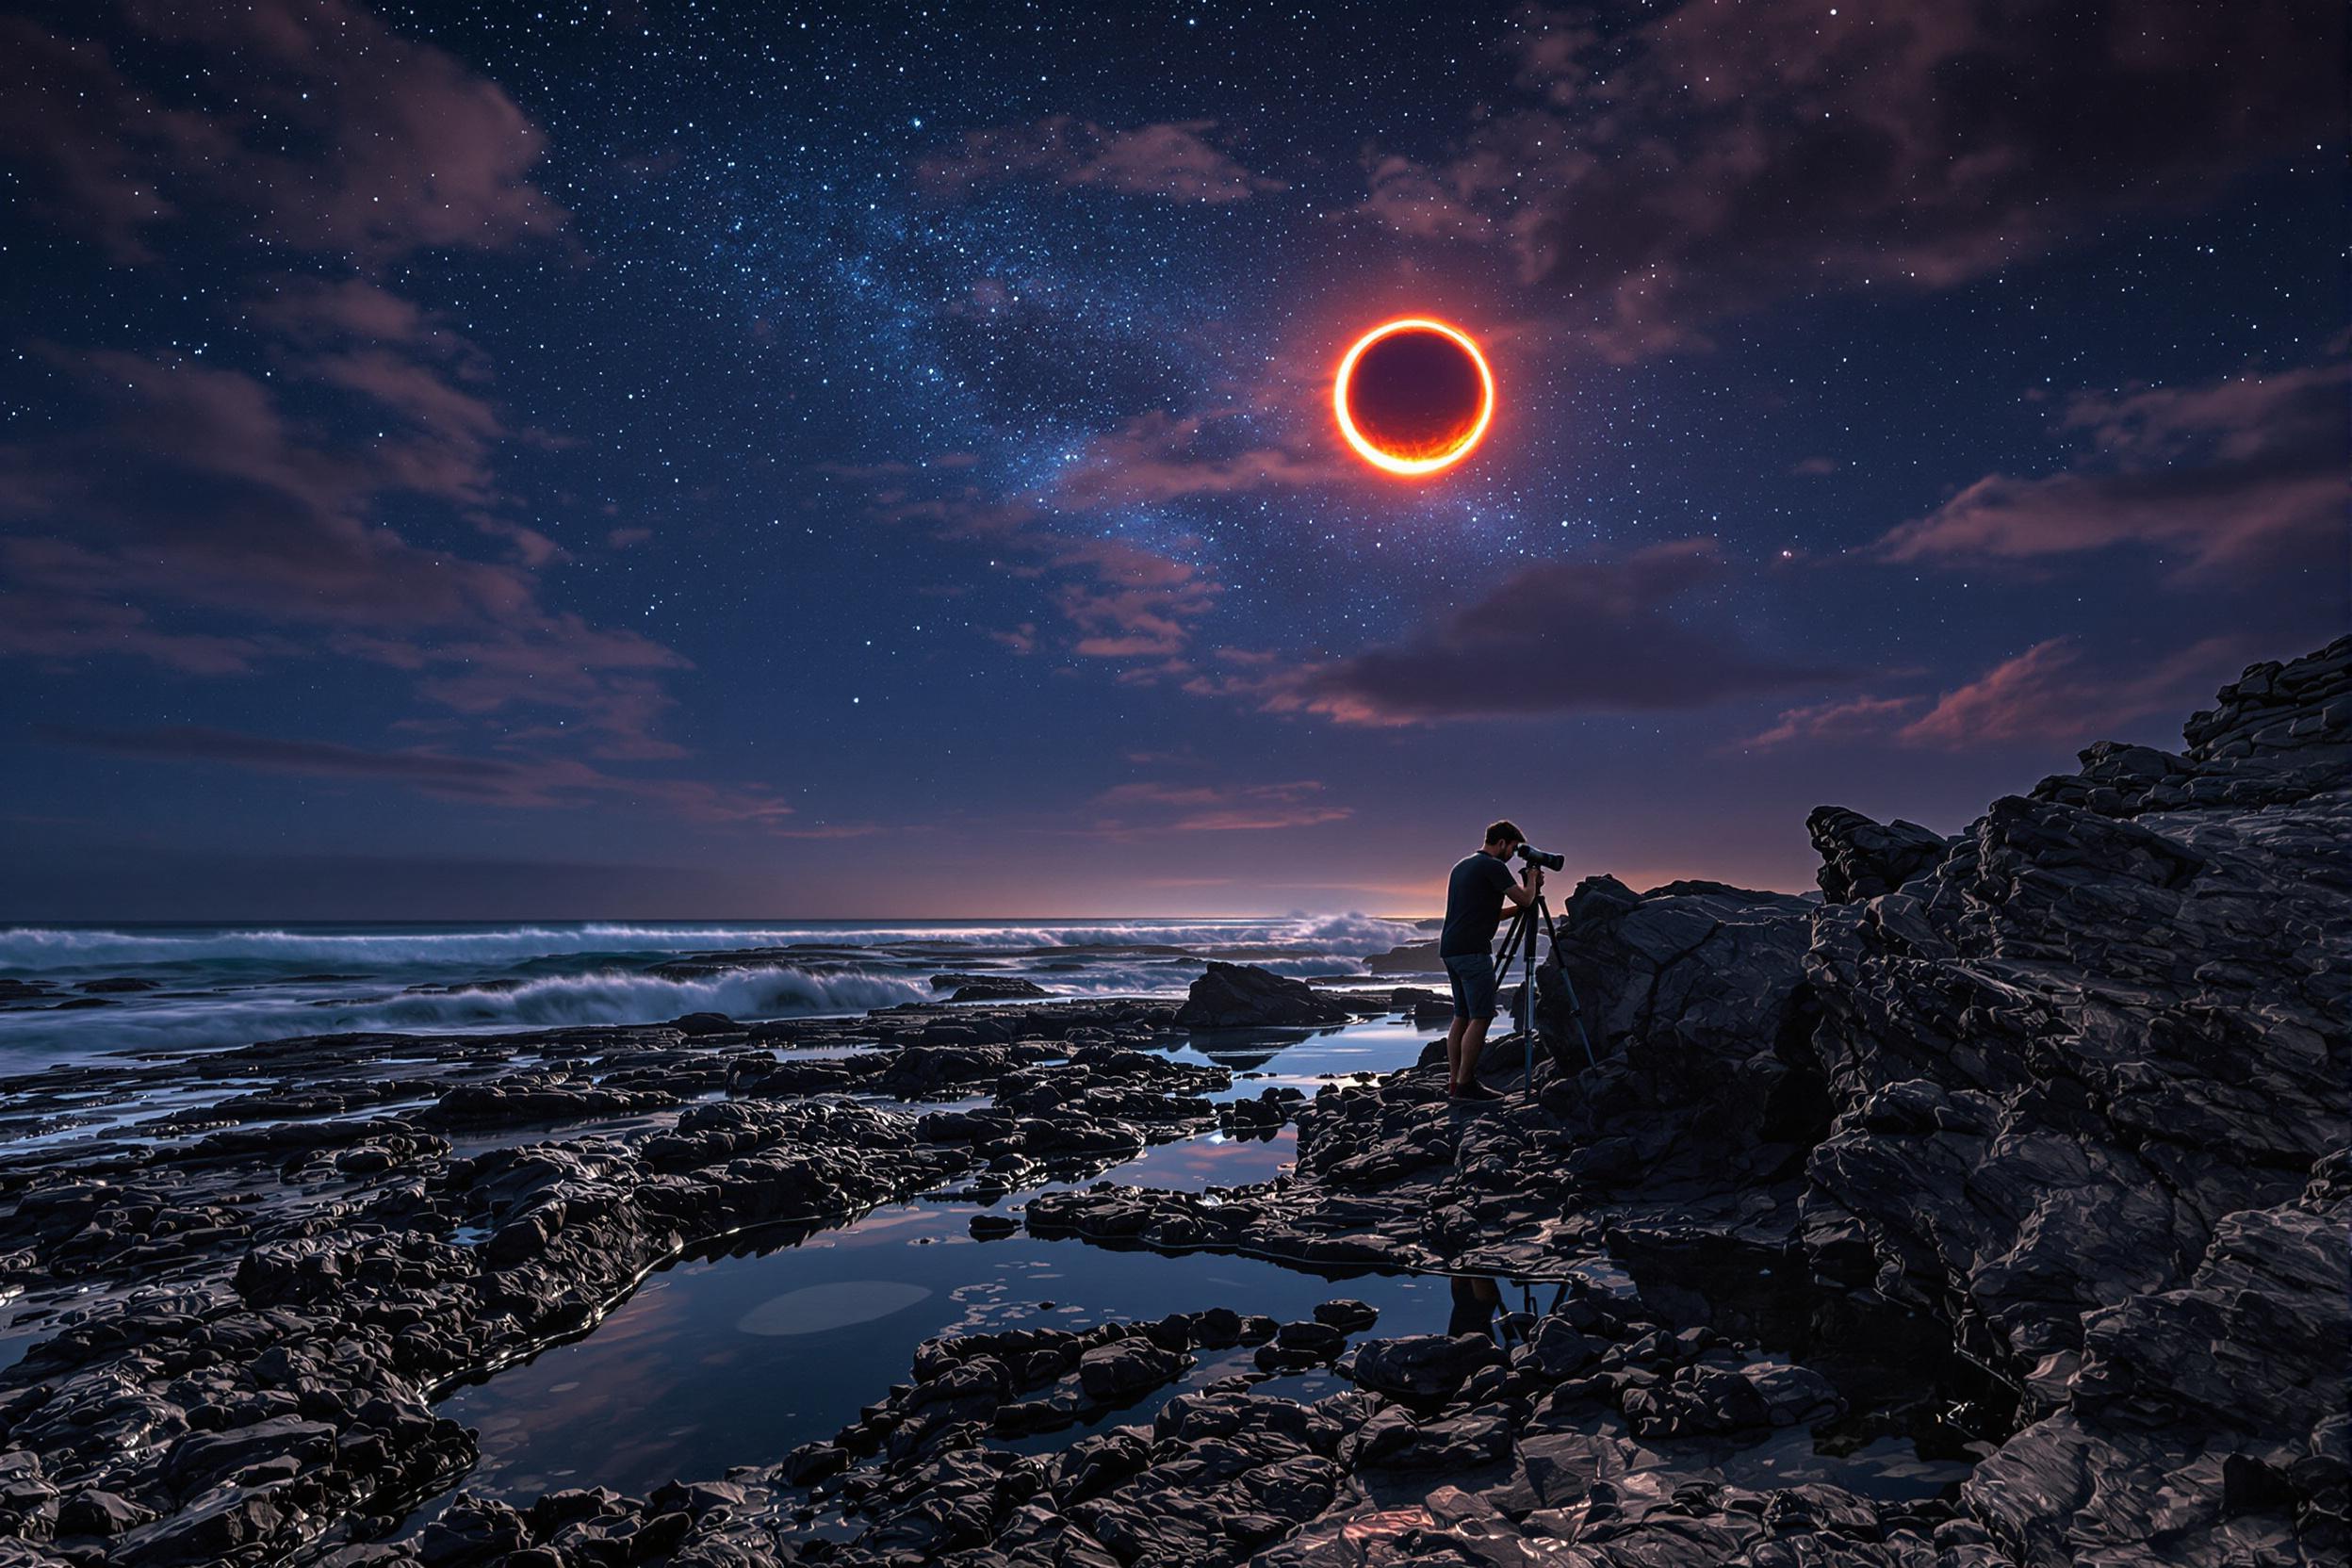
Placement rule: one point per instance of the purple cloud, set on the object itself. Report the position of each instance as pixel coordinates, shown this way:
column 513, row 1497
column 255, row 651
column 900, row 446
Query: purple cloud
column 2243, row 472
column 521, row 780
column 343, row 136
column 1693, row 165
column 1555, row 637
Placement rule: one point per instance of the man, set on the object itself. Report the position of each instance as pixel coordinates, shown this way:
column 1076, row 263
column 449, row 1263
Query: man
column 1476, row 896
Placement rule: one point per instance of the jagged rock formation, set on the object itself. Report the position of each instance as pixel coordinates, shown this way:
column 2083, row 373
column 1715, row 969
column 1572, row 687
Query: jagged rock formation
column 1242, row 996
column 2078, row 1087
column 2092, row 1070
column 1695, row 1000
column 1861, row 858
column 2278, row 734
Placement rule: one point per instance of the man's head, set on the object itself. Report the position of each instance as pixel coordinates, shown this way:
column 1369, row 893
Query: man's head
column 1502, row 838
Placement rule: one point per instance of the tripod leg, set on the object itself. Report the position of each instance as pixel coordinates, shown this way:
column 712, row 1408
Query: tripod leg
column 1509, row 949
column 1575, row 1014
column 1532, row 909
column 1575, row 1006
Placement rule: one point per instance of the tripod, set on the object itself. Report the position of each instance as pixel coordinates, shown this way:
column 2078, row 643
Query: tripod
column 1519, row 947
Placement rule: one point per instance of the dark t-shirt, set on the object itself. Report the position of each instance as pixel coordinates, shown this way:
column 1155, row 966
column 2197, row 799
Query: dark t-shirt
column 1474, row 904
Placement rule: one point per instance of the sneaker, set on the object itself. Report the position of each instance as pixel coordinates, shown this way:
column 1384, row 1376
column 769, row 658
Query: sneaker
column 1472, row 1091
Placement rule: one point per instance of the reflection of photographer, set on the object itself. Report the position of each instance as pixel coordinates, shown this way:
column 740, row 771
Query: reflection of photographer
column 1480, row 890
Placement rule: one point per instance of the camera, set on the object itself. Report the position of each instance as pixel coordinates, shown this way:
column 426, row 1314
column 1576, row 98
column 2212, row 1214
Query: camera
column 1535, row 857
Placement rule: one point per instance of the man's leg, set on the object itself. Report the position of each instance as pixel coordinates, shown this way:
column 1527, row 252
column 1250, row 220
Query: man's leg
column 1472, row 1041
column 1477, row 988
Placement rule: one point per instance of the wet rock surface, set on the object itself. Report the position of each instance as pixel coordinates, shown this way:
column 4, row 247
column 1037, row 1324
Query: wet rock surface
column 2056, row 1112
column 1240, row 996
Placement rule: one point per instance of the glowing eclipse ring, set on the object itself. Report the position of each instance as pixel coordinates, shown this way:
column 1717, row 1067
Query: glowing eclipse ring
column 1380, row 457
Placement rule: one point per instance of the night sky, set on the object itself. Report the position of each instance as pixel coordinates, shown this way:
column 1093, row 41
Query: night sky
column 702, row 461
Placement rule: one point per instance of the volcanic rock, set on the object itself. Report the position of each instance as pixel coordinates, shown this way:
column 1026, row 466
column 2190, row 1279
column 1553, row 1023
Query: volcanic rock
column 1242, row 996
column 1120, row 1370
column 1861, row 858
column 989, row 987
column 1423, row 1367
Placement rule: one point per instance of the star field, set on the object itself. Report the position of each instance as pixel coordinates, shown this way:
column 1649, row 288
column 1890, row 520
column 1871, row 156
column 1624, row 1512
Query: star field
column 759, row 452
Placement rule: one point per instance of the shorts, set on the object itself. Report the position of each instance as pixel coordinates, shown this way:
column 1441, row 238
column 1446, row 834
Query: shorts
column 1473, row 975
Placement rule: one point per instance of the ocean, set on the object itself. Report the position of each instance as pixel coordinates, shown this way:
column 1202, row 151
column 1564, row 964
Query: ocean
column 71, row 991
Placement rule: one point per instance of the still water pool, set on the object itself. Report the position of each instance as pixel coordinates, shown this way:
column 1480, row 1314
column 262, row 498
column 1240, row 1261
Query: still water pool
column 736, row 1356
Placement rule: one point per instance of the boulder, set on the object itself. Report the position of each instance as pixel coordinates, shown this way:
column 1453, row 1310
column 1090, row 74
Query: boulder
column 989, row 987
column 1423, row 1367
column 1126, row 1368
column 1242, row 996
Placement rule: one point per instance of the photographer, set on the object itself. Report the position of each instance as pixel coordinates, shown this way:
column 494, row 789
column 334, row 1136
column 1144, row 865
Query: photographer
column 1477, row 894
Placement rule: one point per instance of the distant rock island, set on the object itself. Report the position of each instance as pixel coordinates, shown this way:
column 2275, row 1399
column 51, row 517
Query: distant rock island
column 2048, row 1121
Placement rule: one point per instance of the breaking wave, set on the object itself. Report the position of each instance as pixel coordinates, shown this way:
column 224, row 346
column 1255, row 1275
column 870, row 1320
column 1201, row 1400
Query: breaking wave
column 34, row 950
column 601, row 997
column 169, row 988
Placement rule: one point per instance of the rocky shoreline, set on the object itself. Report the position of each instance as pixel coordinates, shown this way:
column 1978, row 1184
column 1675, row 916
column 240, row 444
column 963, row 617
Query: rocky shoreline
column 2066, row 1098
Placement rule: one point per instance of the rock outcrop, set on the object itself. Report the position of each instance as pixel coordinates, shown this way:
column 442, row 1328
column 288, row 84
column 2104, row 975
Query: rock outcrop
column 2075, row 1084
column 1861, row 858
column 2095, row 1073
column 1242, row 996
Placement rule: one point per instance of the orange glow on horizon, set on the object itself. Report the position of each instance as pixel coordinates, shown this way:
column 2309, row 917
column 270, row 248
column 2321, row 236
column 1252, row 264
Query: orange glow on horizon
column 1413, row 465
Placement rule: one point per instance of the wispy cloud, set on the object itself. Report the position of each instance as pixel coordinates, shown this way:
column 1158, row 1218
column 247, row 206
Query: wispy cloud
column 1175, row 160
column 340, row 135
column 1851, row 718
column 212, row 516
column 2048, row 692
column 1659, row 176
column 2227, row 475
column 2053, row 692
column 524, row 781
column 1148, row 806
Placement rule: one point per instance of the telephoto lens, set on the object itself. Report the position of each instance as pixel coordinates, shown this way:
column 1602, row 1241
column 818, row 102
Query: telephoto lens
column 1535, row 857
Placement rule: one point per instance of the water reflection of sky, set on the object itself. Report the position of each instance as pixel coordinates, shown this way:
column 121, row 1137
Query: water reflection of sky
column 736, row 1359
column 1263, row 1059
column 675, row 1383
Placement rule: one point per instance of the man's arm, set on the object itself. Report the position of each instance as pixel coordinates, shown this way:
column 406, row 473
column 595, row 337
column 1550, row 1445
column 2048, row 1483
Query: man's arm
column 1521, row 893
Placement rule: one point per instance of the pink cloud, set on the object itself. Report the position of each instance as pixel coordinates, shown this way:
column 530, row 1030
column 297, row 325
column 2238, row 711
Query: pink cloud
column 1152, row 620
column 1145, row 806
column 2226, row 476
column 346, row 138
column 312, row 309
column 1121, row 600
column 57, row 630
column 2046, row 693
column 1423, row 202
column 1851, row 719
column 97, row 149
